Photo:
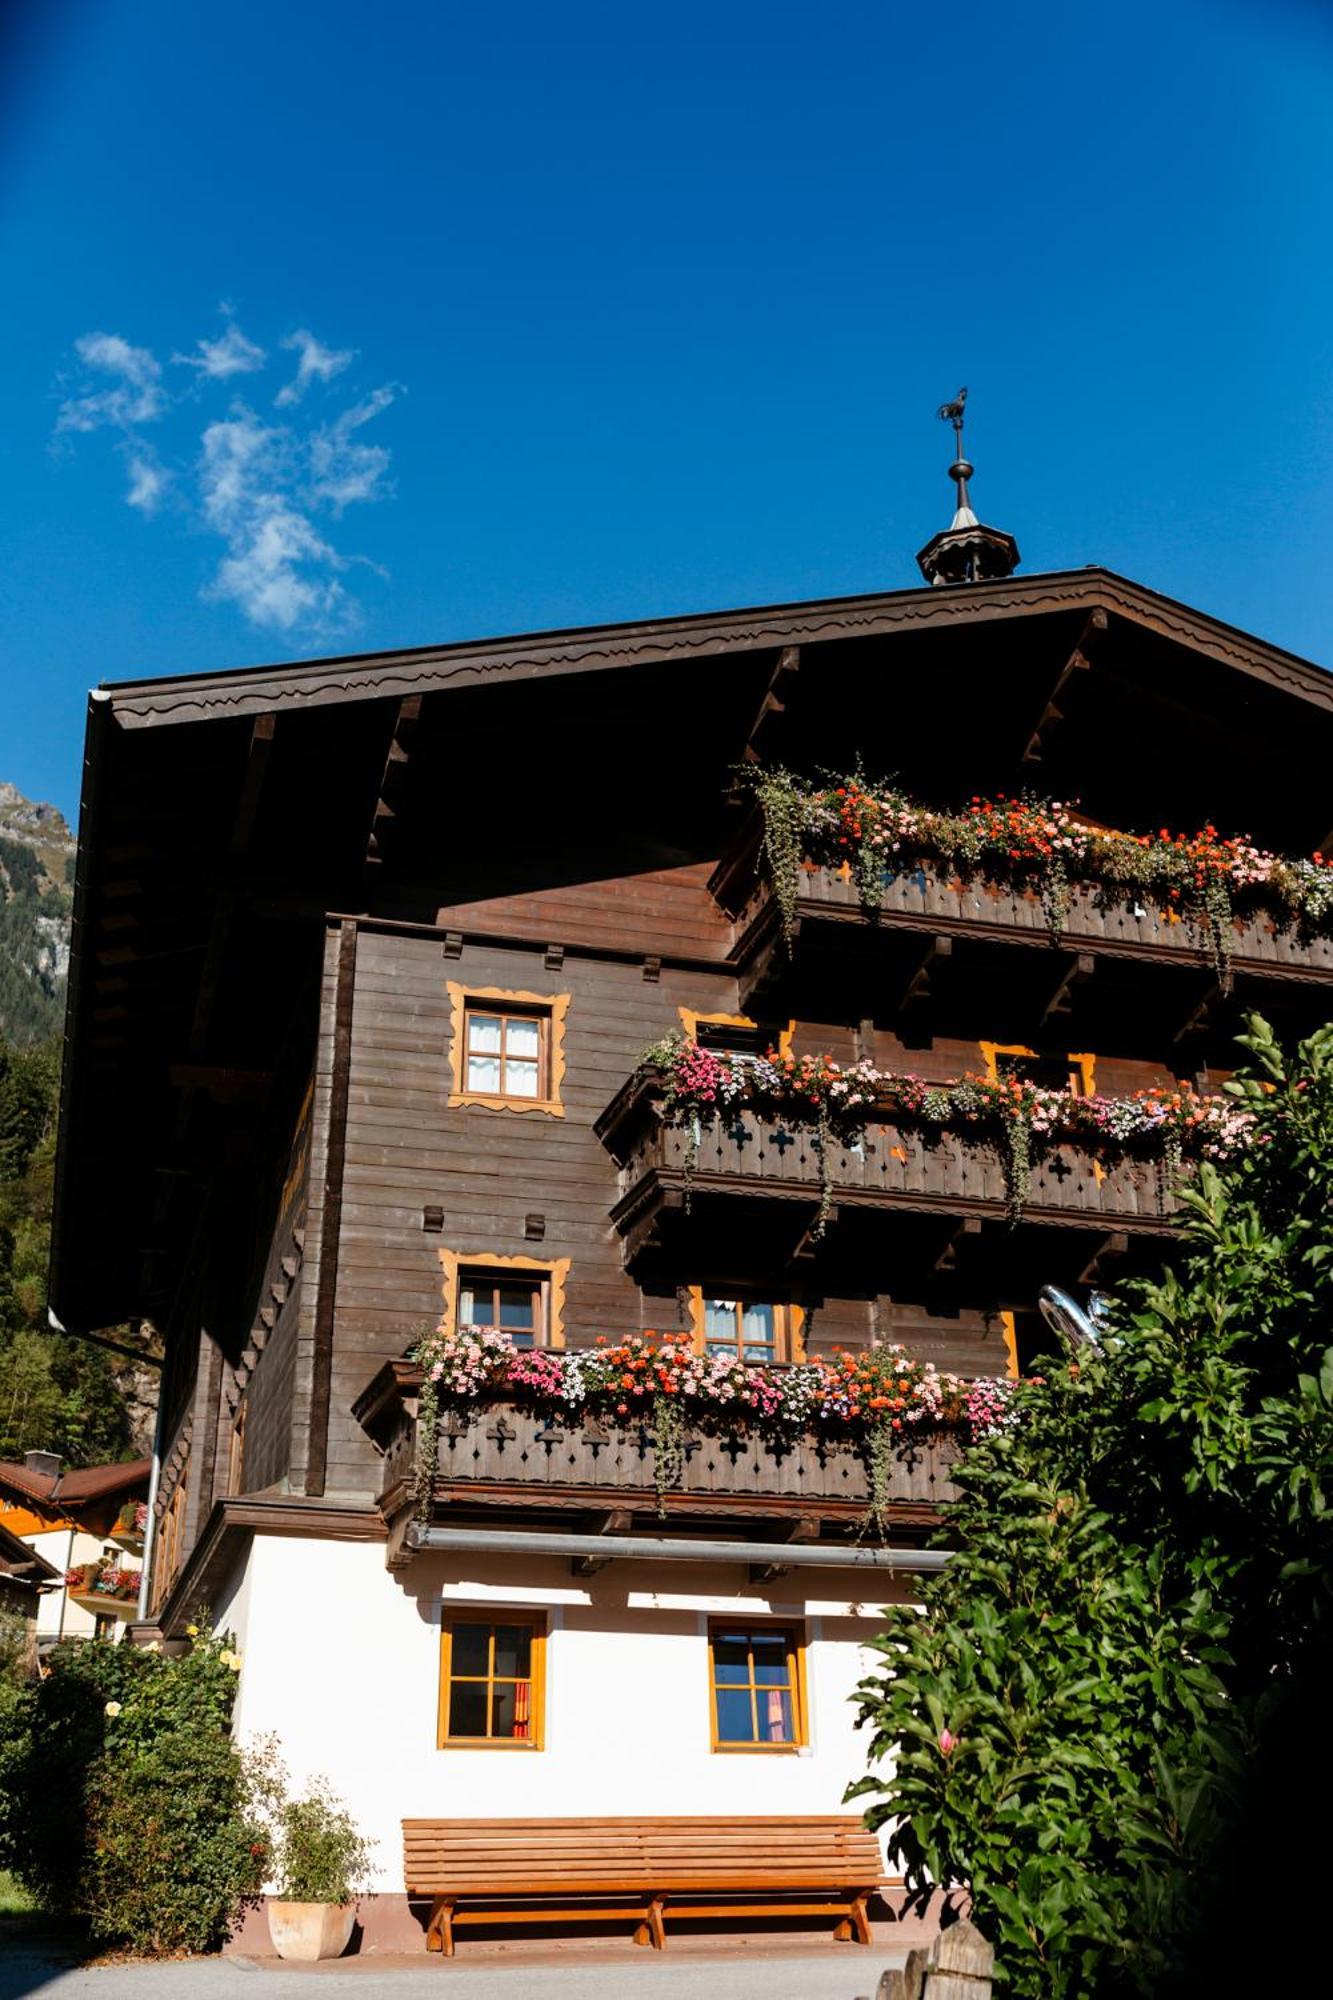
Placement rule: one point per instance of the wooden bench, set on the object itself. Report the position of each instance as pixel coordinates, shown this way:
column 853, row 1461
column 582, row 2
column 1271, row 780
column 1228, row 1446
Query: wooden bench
column 517, row 1871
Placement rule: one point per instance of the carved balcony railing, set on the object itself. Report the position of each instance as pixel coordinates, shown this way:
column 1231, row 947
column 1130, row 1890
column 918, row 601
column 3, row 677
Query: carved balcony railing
column 501, row 1455
column 753, row 1152
column 927, row 897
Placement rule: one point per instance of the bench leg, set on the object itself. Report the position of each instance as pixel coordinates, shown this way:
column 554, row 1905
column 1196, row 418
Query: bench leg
column 855, row 1924
column 652, row 1930
column 440, row 1930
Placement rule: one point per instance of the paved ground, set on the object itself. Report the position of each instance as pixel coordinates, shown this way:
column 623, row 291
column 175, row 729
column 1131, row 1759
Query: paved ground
column 765, row 1973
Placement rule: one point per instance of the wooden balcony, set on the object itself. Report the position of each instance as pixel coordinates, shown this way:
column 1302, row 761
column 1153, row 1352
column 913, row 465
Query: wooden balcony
column 747, row 1152
column 925, row 898
column 504, row 1456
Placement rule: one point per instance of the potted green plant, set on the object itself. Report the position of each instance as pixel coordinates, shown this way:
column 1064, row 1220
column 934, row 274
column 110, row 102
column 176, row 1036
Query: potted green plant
column 321, row 1861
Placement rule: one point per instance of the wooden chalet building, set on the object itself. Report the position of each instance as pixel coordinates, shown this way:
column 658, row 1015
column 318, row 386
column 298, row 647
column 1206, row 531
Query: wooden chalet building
column 366, row 955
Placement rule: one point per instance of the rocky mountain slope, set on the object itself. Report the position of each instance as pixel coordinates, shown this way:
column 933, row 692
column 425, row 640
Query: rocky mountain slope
column 36, row 868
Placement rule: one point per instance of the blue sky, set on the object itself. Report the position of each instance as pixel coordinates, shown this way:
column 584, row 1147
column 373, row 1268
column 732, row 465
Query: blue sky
column 333, row 326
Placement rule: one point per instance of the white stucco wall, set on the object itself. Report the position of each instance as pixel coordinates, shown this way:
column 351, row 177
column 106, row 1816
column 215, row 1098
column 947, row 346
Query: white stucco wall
column 341, row 1660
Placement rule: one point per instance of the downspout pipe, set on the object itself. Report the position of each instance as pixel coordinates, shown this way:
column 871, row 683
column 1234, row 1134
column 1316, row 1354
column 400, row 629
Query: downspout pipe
column 665, row 1548
column 150, row 1522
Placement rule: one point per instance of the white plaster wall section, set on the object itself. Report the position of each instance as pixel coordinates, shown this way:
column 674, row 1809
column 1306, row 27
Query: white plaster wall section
column 341, row 1660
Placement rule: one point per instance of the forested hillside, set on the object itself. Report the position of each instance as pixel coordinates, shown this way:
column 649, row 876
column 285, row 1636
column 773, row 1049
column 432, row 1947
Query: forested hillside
column 56, row 1394
column 36, row 864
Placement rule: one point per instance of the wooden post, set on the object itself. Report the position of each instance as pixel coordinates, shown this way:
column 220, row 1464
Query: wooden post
column 957, row 1966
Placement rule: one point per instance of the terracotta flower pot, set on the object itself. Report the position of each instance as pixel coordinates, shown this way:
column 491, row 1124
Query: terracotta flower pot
column 310, row 1930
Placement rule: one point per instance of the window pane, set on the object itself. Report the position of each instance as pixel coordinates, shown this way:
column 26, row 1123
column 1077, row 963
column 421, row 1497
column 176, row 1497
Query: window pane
column 476, row 1307
column 483, row 1034
column 731, row 1657
column 522, row 1039
column 511, row 1709
column 770, row 1658
column 521, row 1079
column 735, row 1716
column 467, row 1708
column 758, row 1332
column 470, row 1652
column 719, row 1326
column 513, row 1652
column 775, row 1716
column 518, row 1307
column 483, row 1073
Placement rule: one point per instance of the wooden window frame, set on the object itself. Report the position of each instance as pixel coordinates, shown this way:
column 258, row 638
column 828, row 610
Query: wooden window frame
column 554, row 1271
column 166, row 1551
column 236, row 1448
column 549, row 1008
column 497, row 1614
column 691, row 1020
column 796, row 1651
column 1084, row 1065
column 788, row 1320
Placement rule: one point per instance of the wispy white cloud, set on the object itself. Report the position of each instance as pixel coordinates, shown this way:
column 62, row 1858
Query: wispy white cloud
column 344, row 470
column 230, row 354
column 149, row 480
column 315, row 363
column 119, row 385
column 262, row 487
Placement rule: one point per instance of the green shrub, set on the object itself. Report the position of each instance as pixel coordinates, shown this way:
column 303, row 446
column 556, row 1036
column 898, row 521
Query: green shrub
column 1106, row 1722
column 127, row 1803
column 322, row 1857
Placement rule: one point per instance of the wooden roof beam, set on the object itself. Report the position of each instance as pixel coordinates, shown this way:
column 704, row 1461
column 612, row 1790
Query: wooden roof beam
column 388, row 792
column 948, row 1257
column 1076, row 971
column 788, row 664
column 618, row 1522
column 916, row 987
column 1112, row 1249
column 1051, row 715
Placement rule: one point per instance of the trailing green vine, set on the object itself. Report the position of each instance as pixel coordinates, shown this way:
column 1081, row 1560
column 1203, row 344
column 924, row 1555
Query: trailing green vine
column 668, row 1429
column 425, row 1450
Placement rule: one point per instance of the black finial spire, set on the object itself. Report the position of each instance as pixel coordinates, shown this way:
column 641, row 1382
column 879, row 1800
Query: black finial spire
column 966, row 551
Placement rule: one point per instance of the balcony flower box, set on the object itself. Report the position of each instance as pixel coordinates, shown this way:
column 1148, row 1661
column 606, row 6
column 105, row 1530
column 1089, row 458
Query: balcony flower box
column 103, row 1589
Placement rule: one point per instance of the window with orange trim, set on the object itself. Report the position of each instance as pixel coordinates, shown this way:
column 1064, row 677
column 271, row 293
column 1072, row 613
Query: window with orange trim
column 745, row 1329
column 756, row 1677
column 492, row 1680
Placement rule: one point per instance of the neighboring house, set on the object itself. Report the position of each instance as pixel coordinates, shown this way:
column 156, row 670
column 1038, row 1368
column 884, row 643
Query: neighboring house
column 366, row 955
column 25, row 1578
column 87, row 1525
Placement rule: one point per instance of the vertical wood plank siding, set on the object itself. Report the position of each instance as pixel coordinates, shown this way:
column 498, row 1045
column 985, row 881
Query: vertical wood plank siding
column 331, row 1222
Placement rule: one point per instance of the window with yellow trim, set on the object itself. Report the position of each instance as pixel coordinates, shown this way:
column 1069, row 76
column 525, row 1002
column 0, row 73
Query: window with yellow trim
column 507, row 1049
column 522, row 1297
column 1074, row 1073
column 735, row 1034
column 756, row 1675
column 492, row 1680
column 744, row 1329
column 508, row 1302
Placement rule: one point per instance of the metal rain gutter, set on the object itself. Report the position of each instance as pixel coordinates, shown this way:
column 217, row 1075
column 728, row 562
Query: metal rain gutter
column 662, row 1548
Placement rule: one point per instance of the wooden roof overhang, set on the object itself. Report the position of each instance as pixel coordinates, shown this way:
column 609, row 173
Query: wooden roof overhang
column 224, row 816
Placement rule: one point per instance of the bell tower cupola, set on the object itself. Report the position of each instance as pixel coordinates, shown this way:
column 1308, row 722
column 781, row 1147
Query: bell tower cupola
column 967, row 551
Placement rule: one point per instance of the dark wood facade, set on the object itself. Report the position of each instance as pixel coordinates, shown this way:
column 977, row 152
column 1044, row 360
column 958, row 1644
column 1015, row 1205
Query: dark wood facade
column 288, row 877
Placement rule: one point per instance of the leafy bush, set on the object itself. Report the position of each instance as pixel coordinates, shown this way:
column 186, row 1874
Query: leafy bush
column 125, row 1801
column 1107, row 1719
column 321, row 1854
